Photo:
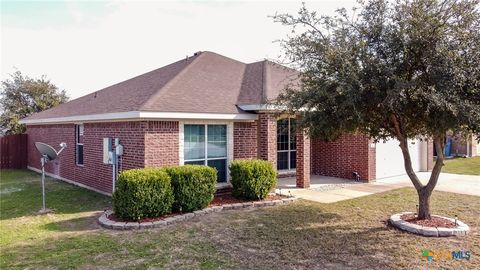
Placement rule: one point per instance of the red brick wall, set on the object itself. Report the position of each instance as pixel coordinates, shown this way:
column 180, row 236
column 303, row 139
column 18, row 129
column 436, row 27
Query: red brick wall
column 372, row 153
column 133, row 136
column 303, row 155
column 430, row 162
column 161, row 143
column 245, row 140
column 267, row 134
column 54, row 135
column 462, row 146
column 340, row 158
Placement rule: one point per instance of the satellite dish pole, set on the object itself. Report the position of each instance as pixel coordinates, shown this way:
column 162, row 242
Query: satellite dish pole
column 47, row 153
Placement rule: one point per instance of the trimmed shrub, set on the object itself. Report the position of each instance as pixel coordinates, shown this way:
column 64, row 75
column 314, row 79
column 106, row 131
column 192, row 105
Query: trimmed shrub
column 142, row 193
column 252, row 179
column 193, row 186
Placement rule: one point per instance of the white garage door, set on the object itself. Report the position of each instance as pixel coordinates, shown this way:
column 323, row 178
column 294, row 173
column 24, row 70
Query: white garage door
column 389, row 158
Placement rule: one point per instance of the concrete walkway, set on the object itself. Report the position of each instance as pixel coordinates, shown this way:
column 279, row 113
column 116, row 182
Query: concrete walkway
column 326, row 189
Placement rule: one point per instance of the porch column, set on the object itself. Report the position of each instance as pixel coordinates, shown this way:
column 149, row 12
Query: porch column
column 303, row 159
column 267, row 138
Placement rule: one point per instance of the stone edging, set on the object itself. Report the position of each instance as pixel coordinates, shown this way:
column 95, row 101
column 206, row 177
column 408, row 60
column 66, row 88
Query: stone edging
column 461, row 229
column 110, row 224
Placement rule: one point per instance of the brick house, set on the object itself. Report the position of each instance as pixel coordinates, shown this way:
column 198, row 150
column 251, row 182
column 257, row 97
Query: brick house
column 463, row 145
column 205, row 109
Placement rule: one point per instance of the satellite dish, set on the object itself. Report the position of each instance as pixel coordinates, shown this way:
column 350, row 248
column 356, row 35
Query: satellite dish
column 48, row 153
column 46, row 150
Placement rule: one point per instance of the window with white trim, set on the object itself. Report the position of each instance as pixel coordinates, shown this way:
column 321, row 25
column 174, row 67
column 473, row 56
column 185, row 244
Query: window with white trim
column 286, row 144
column 79, row 144
column 207, row 145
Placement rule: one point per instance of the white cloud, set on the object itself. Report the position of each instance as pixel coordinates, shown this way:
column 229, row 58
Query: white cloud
column 134, row 38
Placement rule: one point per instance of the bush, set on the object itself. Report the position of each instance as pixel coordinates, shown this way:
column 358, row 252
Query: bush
column 142, row 193
column 252, row 179
column 193, row 186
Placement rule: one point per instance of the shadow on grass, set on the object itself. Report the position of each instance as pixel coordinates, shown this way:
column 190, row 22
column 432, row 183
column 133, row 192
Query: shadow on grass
column 75, row 224
column 123, row 250
column 301, row 237
column 63, row 197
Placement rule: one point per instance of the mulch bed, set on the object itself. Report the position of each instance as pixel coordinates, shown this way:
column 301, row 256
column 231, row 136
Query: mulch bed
column 217, row 201
column 434, row 222
column 229, row 199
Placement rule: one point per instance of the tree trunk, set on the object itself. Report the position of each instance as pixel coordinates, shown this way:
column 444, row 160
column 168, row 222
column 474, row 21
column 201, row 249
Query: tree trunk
column 424, row 191
column 423, row 204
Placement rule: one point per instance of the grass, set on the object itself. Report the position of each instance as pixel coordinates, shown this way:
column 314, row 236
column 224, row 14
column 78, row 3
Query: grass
column 462, row 166
column 347, row 235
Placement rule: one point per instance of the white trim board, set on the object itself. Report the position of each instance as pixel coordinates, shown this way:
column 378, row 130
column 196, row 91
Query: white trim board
column 139, row 115
column 69, row 181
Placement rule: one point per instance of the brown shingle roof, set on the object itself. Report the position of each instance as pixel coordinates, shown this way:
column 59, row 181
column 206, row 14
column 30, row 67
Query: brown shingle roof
column 205, row 83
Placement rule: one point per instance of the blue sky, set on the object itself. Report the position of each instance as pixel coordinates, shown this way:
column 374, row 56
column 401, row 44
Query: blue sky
column 38, row 14
column 83, row 46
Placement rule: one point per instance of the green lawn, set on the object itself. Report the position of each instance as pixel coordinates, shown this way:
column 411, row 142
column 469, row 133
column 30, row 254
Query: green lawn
column 462, row 166
column 346, row 235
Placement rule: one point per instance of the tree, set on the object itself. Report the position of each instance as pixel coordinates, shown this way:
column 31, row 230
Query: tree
column 402, row 69
column 22, row 96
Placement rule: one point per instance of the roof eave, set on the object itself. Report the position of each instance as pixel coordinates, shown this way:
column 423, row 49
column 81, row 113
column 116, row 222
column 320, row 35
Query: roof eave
column 262, row 108
column 138, row 116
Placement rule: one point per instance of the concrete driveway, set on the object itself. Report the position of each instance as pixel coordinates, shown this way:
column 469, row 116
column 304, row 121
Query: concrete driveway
column 325, row 189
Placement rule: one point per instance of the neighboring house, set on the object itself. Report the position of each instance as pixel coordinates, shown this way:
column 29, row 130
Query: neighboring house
column 205, row 109
column 461, row 145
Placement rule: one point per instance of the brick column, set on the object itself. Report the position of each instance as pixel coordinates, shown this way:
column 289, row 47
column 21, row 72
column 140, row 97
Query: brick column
column 372, row 161
column 303, row 160
column 430, row 155
column 267, row 138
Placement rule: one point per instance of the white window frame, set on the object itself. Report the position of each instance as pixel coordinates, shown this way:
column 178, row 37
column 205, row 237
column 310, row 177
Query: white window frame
column 289, row 150
column 206, row 159
column 181, row 138
column 79, row 131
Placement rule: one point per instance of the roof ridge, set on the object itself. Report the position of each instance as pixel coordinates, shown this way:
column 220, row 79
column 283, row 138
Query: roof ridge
column 229, row 58
column 159, row 92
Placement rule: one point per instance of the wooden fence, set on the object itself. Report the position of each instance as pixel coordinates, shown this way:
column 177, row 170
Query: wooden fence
column 13, row 151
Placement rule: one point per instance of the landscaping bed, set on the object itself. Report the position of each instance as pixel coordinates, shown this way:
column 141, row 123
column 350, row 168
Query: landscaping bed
column 220, row 203
column 153, row 197
column 433, row 222
column 229, row 199
column 437, row 226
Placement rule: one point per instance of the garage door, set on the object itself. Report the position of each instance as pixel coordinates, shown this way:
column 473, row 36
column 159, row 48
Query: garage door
column 389, row 158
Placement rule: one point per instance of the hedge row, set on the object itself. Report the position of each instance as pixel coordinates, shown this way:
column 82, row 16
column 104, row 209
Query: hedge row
column 153, row 192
